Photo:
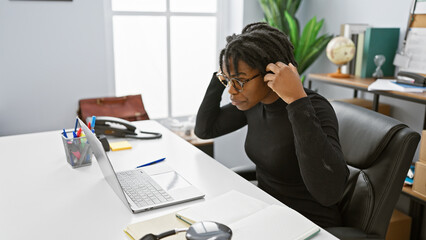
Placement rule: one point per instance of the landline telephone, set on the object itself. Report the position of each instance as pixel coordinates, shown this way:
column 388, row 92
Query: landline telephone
column 120, row 128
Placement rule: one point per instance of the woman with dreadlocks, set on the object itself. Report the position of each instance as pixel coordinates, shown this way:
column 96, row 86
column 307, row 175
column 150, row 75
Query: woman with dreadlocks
column 292, row 134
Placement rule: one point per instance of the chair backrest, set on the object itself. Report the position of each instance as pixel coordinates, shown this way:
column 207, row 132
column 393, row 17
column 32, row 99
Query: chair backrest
column 378, row 150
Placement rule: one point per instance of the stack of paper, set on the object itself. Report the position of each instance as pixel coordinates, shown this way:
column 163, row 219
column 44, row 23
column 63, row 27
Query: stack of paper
column 248, row 218
column 391, row 85
column 415, row 50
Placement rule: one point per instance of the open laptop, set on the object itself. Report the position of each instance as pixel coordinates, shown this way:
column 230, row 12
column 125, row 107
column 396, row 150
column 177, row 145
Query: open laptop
column 143, row 189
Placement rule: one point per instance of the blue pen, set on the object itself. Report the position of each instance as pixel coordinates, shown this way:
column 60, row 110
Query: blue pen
column 74, row 134
column 150, row 163
column 64, row 133
column 93, row 122
column 76, row 122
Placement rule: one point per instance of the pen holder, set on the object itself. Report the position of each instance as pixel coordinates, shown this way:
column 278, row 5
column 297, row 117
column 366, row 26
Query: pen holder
column 77, row 150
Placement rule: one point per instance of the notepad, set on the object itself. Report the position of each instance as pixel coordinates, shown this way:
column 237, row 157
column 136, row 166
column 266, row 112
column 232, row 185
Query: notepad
column 248, row 218
column 156, row 225
column 117, row 146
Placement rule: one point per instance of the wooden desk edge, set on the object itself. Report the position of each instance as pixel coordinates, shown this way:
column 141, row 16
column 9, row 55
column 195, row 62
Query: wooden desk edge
column 362, row 84
column 201, row 142
column 406, row 189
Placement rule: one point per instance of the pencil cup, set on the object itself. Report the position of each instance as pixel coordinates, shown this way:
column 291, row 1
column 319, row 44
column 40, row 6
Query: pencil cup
column 77, row 150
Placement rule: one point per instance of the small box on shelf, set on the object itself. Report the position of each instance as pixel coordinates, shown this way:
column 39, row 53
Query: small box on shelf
column 399, row 226
column 422, row 152
column 419, row 184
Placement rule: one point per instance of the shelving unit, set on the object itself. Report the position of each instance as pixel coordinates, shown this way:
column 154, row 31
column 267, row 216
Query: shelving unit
column 361, row 84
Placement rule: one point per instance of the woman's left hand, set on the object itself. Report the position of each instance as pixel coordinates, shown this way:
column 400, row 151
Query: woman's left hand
column 285, row 81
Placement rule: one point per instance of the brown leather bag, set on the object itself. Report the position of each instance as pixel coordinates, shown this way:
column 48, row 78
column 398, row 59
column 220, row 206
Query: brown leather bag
column 128, row 107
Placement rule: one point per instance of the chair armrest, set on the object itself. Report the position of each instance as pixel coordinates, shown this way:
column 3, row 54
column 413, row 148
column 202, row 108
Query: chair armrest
column 246, row 171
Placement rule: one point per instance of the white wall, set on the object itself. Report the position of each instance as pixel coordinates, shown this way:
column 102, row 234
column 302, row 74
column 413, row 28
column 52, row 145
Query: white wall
column 51, row 55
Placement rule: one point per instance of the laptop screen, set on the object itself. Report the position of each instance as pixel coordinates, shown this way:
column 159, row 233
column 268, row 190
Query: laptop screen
column 104, row 162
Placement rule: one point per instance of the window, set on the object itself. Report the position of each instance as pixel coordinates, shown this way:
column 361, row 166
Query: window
column 166, row 50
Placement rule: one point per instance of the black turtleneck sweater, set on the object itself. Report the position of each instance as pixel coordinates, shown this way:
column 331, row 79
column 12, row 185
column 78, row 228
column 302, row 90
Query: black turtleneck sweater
column 295, row 148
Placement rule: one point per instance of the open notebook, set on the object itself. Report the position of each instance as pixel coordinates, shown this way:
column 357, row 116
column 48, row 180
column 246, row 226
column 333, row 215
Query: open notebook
column 249, row 218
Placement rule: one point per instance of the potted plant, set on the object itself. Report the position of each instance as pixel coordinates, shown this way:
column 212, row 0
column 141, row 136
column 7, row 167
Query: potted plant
column 307, row 44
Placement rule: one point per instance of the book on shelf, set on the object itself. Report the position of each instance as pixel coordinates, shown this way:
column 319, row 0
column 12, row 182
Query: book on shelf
column 248, row 218
column 352, row 31
column 351, row 63
column 359, row 53
column 383, row 41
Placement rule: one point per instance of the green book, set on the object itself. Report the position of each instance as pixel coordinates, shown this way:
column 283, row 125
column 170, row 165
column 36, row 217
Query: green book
column 377, row 41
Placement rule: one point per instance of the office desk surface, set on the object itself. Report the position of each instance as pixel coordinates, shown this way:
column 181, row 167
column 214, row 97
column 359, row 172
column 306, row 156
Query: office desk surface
column 42, row 197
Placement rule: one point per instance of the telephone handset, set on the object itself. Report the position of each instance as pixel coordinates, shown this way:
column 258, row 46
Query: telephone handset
column 120, row 128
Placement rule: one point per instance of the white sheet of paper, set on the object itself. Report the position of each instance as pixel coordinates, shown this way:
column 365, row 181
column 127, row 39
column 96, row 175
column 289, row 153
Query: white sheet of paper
column 274, row 223
column 389, row 85
column 225, row 209
column 401, row 60
column 420, row 7
column 415, row 50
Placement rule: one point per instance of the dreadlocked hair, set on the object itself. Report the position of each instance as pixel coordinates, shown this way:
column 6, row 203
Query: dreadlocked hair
column 258, row 45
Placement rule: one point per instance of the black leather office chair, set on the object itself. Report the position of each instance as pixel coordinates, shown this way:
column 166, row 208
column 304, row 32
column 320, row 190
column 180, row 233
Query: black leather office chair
column 378, row 150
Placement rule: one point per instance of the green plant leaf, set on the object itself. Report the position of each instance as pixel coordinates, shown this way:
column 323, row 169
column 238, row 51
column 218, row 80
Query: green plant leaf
column 317, row 28
column 314, row 47
column 304, row 40
column 266, row 11
column 282, row 5
column 307, row 47
column 296, row 5
column 288, row 5
column 316, row 50
column 293, row 29
column 293, row 7
column 297, row 26
column 269, row 14
column 313, row 38
column 319, row 46
column 276, row 14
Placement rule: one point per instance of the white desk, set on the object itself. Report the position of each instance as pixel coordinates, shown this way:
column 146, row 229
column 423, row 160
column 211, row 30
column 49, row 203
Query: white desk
column 42, row 197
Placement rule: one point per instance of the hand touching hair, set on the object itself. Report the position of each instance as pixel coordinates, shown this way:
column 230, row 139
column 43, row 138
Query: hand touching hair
column 258, row 45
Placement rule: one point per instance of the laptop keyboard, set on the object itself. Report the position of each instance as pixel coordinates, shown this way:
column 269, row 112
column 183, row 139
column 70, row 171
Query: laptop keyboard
column 142, row 189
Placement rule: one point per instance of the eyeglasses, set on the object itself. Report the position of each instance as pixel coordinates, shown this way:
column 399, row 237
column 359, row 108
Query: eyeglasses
column 236, row 83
